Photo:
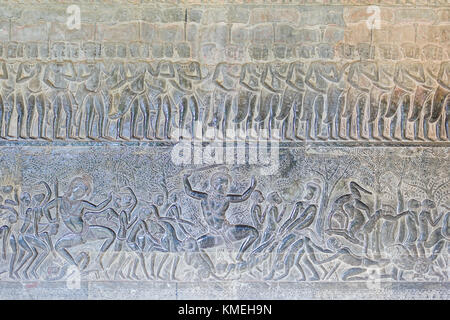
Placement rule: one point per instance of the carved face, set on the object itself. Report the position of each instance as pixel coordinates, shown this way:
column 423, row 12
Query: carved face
column 12, row 50
column 346, row 51
column 145, row 214
column 325, row 51
column 413, row 204
column 38, row 198
column 90, row 50
column 31, row 50
column 59, row 50
column 7, row 189
column 365, row 51
column 127, row 200
column 220, row 183
column 79, row 190
column 109, row 49
column 275, row 198
column 12, row 219
column 159, row 200
column 305, row 52
column 334, row 244
column 309, row 193
column 153, row 211
column 429, row 204
column 25, row 198
column 257, row 196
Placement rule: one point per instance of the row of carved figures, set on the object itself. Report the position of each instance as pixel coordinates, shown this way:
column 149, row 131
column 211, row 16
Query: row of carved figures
column 409, row 242
column 323, row 99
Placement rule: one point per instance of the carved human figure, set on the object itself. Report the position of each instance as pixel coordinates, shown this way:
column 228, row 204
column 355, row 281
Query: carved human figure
column 357, row 265
column 214, row 207
column 363, row 96
column 409, row 78
column 138, row 89
column 273, row 81
column 338, row 219
column 320, row 103
column 257, row 213
column 187, row 75
column 426, row 218
column 57, row 77
column 411, row 224
column 7, row 235
column 35, row 242
column 159, row 74
column 89, row 95
column 250, row 88
column 173, row 247
column 112, row 87
column 226, row 93
column 140, row 235
column 30, row 75
column 126, row 203
column 440, row 102
column 292, row 100
column 7, row 97
column 175, row 233
column 198, row 259
column 71, row 207
column 390, row 55
column 273, row 217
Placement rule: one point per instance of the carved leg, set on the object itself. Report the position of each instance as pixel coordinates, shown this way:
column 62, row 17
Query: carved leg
column 134, row 119
column 183, row 107
column 90, row 116
column 167, row 108
column 31, row 106
column 13, row 245
column 10, row 102
column 193, row 106
column 68, row 110
column 145, row 109
column 20, row 108
column 100, row 109
column 40, row 107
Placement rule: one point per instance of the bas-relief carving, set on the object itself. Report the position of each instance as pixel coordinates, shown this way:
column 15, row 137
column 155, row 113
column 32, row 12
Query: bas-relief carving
column 400, row 97
column 350, row 203
column 328, row 214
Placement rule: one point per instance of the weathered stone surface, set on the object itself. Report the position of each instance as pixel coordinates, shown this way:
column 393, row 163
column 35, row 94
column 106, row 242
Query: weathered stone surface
column 224, row 149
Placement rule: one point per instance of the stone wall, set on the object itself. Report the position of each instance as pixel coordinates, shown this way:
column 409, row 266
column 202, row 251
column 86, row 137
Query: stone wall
column 190, row 149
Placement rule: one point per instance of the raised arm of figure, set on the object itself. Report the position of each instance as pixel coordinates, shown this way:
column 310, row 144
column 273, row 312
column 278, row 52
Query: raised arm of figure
column 234, row 198
column 49, row 206
column 435, row 222
column 190, row 192
column 96, row 208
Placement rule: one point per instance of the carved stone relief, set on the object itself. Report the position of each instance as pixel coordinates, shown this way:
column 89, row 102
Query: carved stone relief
column 186, row 146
